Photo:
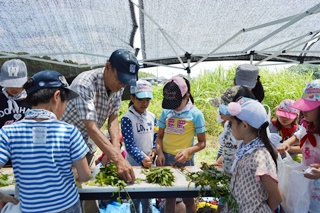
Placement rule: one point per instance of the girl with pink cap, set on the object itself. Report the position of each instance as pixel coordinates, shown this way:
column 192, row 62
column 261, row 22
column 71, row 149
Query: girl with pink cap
column 285, row 123
column 309, row 139
column 179, row 122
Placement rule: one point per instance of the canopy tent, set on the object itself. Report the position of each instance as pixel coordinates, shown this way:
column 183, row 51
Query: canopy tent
column 83, row 33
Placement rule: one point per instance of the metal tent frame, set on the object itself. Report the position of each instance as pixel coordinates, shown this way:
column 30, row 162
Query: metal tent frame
column 303, row 48
column 265, row 55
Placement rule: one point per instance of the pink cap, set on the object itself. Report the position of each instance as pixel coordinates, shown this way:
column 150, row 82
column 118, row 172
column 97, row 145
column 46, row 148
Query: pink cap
column 181, row 84
column 286, row 110
column 310, row 98
column 173, row 92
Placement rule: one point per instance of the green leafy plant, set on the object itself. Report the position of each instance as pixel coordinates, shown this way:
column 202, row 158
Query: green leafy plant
column 108, row 176
column 218, row 181
column 5, row 181
column 159, row 175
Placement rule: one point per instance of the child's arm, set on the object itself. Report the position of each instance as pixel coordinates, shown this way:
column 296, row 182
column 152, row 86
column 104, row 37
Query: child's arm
column 83, row 170
column 183, row 155
column 152, row 153
column 159, row 150
column 295, row 149
column 274, row 195
column 285, row 146
column 131, row 147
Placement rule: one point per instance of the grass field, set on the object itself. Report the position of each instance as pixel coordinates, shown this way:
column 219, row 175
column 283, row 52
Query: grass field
column 278, row 85
column 207, row 155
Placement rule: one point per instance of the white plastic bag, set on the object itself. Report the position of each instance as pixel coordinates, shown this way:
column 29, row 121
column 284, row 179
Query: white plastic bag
column 11, row 208
column 274, row 138
column 294, row 187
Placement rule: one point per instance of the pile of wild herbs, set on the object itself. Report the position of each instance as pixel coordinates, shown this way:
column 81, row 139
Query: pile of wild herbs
column 108, row 176
column 159, row 175
column 218, row 182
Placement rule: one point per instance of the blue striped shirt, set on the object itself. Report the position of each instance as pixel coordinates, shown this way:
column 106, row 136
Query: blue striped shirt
column 42, row 154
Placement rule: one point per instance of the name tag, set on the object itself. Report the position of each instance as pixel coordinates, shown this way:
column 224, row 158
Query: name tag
column 39, row 134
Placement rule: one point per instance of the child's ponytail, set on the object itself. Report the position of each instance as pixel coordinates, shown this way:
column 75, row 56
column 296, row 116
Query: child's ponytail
column 188, row 85
column 262, row 134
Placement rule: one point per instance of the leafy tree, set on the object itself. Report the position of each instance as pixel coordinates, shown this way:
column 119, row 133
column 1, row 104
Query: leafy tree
column 36, row 66
column 146, row 75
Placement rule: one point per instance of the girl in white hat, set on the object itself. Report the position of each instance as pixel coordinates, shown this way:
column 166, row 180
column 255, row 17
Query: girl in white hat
column 254, row 182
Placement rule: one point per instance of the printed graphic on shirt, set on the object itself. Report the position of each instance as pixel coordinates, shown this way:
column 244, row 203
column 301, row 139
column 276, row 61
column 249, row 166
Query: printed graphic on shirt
column 142, row 128
column 179, row 134
column 12, row 116
column 178, row 128
column 229, row 148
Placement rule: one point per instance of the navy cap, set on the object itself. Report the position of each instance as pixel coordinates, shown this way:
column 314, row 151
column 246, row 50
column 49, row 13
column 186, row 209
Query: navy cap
column 51, row 79
column 127, row 66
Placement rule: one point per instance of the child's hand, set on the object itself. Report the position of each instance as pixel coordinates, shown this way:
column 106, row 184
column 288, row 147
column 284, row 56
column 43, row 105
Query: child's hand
column 146, row 162
column 8, row 198
column 152, row 155
column 105, row 160
column 182, row 156
column 315, row 172
column 217, row 164
column 283, row 148
column 161, row 159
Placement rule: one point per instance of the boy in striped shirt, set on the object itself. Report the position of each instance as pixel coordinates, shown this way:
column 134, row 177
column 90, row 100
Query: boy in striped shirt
column 44, row 149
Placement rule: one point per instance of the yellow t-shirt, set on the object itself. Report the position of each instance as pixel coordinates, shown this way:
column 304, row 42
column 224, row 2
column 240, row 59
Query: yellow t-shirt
column 180, row 129
column 178, row 135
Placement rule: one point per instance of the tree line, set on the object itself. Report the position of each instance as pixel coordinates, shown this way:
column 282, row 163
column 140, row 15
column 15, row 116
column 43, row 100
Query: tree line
column 36, row 66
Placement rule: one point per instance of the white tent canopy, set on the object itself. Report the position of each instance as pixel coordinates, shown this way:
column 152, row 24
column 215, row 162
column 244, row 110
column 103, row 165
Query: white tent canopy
column 86, row 32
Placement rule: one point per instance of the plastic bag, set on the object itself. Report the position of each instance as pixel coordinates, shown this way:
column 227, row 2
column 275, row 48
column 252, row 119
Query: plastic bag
column 294, row 187
column 11, row 208
column 275, row 139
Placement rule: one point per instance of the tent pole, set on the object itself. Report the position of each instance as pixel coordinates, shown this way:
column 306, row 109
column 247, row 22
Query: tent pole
column 285, row 50
column 164, row 33
column 213, row 51
column 188, row 56
column 291, row 22
column 251, row 57
column 294, row 39
column 277, row 57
